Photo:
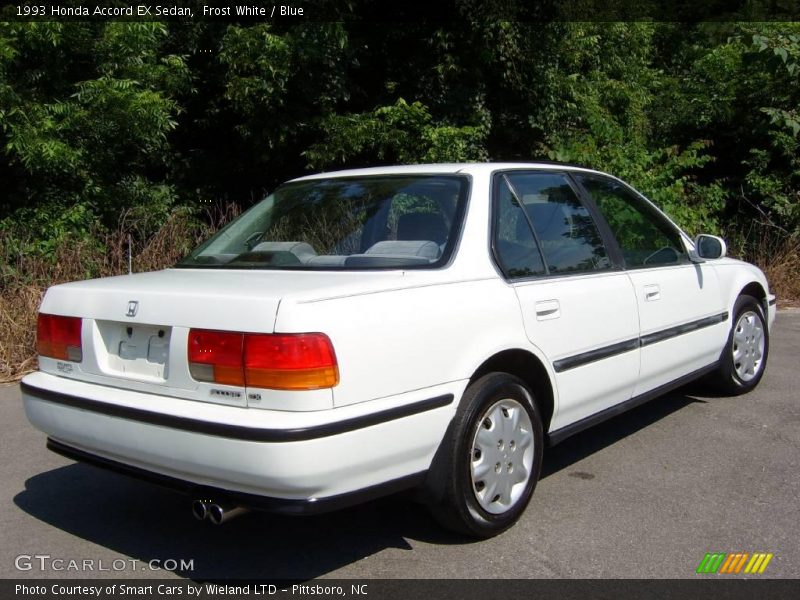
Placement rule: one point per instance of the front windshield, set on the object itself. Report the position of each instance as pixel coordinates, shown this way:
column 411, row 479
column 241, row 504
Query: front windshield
column 343, row 223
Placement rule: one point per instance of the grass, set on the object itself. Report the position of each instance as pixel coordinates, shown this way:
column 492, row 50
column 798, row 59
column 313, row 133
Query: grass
column 782, row 269
column 775, row 252
column 25, row 277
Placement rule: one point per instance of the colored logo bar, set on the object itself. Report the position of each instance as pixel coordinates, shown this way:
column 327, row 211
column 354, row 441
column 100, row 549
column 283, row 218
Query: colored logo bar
column 737, row 562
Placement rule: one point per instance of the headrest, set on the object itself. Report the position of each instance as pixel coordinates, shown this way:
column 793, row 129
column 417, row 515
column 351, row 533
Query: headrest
column 422, row 226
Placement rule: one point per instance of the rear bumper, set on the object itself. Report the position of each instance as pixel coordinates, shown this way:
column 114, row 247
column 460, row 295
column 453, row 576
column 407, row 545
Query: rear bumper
column 772, row 310
column 265, row 503
column 286, row 459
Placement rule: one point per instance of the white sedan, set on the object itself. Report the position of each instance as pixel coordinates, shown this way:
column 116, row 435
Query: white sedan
column 362, row 332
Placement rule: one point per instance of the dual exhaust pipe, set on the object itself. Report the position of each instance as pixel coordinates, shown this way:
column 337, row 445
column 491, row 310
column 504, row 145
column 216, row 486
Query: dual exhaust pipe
column 216, row 512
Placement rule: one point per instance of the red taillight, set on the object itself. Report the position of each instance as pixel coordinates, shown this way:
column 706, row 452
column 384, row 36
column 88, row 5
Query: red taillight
column 292, row 361
column 216, row 356
column 302, row 361
column 59, row 337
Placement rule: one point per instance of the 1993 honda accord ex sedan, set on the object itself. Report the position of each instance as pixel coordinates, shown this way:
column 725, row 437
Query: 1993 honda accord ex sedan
column 362, row 332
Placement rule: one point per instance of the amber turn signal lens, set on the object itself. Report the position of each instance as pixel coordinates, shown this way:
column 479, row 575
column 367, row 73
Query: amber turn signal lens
column 279, row 361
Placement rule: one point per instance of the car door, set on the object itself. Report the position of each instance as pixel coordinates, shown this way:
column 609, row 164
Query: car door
column 578, row 306
column 681, row 311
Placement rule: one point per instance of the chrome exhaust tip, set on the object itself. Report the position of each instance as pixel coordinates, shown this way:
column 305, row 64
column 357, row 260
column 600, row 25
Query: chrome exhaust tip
column 200, row 509
column 224, row 512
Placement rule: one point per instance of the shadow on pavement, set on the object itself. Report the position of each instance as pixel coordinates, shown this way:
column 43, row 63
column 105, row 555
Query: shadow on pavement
column 145, row 522
column 594, row 439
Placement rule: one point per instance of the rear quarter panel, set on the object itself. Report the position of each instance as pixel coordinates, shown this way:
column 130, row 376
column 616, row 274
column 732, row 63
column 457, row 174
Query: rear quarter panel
column 393, row 342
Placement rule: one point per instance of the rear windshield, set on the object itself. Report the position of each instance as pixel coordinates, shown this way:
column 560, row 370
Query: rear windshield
column 343, row 223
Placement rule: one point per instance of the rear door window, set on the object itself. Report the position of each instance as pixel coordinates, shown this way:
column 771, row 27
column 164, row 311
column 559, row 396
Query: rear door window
column 563, row 229
column 514, row 243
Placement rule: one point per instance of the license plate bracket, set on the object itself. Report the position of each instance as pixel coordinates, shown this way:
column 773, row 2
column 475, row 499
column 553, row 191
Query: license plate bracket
column 136, row 350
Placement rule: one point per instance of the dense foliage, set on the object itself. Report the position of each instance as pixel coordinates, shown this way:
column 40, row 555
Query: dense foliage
column 107, row 121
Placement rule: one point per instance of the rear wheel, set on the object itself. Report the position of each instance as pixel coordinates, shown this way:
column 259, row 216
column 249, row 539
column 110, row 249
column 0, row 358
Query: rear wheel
column 491, row 461
column 744, row 358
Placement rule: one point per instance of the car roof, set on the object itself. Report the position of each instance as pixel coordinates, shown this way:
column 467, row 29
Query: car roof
column 447, row 168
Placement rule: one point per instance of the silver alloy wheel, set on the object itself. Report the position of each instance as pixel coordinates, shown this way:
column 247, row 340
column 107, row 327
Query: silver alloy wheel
column 748, row 346
column 502, row 456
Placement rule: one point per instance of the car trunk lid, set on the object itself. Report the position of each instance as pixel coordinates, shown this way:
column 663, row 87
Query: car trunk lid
column 135, row 327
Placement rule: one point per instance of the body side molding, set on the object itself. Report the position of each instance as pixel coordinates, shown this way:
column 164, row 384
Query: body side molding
column 584, row 358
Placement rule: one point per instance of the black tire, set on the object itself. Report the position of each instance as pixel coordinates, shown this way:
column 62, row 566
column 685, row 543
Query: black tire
column 456, row 504
column 726, row 379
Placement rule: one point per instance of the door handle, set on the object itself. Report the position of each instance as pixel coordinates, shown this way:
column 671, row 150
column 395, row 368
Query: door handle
column 547, row 309
column 652, row 293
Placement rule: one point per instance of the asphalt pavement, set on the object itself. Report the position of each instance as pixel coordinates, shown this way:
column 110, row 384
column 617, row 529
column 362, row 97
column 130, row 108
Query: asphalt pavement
column 646, row 494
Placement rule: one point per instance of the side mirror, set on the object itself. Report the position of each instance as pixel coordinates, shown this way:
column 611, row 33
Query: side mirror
column 710, row 246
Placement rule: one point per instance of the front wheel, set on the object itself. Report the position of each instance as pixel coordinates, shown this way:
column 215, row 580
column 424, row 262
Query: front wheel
column 491, row 461
column 744, row 358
